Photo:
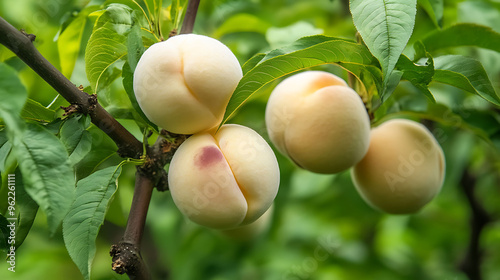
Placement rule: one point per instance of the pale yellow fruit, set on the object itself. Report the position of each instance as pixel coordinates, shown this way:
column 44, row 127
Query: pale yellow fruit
column 251, row 231
column 183, row 84
column 224, row 180
column 318, row 121
column 403, row 170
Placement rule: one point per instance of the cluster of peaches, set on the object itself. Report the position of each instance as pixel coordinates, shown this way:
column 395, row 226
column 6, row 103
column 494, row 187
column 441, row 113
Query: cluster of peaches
column 227, row 177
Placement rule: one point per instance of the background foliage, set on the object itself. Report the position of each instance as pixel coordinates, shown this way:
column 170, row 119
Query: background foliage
column 321, row 228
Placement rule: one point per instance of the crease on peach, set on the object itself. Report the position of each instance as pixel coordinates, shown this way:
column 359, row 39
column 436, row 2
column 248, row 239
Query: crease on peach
column 243, row 192
column 196, row 97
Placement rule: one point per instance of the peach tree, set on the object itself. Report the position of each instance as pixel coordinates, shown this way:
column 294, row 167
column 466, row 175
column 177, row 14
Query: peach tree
column 332, row 105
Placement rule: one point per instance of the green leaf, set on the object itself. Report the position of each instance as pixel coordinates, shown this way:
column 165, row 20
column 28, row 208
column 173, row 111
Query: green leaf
column 107, row 44
column 252, row 62
column 465, row 73
column 13, row 95
column 135, row 47
column 177, row 12
column 128, row 80
column 242, row 23
column 465, row 34
column 26, row 210
column 9, row 168
column 107, row 96
column 76, row 138
column 82, row 224
column 54, row 126
column 386, row 27
column 419, row 75
column 48, row 177
column 35, row 111
column 5, row 148
column 4, row 229
column 133, row 4
column 391, row 84
column 23, row 212
column 307, row 52
column 435, row 9
column 70, row 39
column 102, row 148
column 302, row 43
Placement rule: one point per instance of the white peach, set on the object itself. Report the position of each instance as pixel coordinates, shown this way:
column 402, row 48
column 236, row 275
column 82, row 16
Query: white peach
column 183, row 84
column 403, row 170
column 224, row 180
column 318, row 121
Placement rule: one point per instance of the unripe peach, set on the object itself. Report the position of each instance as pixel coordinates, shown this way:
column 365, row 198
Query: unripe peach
column 224, row 180
column 318, row 121
column 252, row 230
column 403, row 169
column 183, row 84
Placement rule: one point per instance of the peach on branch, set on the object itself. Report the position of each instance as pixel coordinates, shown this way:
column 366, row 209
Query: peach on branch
column 403, row 169
column 224, row 180
column 183, row 84
column 318, row 121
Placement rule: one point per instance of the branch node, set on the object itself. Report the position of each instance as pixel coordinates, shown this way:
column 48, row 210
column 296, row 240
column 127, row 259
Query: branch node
column 172, row 33
column 71, row 109
column 32, row 37
column 158, row 156
column 126, row 150
column 92, row 102
column 125, row 258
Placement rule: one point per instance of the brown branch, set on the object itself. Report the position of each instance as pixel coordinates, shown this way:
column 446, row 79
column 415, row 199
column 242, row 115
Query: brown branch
column 189, row 18
column 471, row 264
column 126, row 254
column 21, row 44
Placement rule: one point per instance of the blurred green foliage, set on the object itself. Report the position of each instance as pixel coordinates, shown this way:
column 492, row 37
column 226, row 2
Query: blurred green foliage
column 321, row 228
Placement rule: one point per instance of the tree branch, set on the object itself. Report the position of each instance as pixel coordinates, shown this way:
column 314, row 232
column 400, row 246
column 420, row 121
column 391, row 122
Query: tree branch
column 21, row 44
column 126, row 254
column 471, row 264
column 189, row 18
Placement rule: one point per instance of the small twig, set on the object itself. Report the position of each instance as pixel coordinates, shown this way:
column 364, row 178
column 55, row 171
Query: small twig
column 189, row 18
column 471, row 264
